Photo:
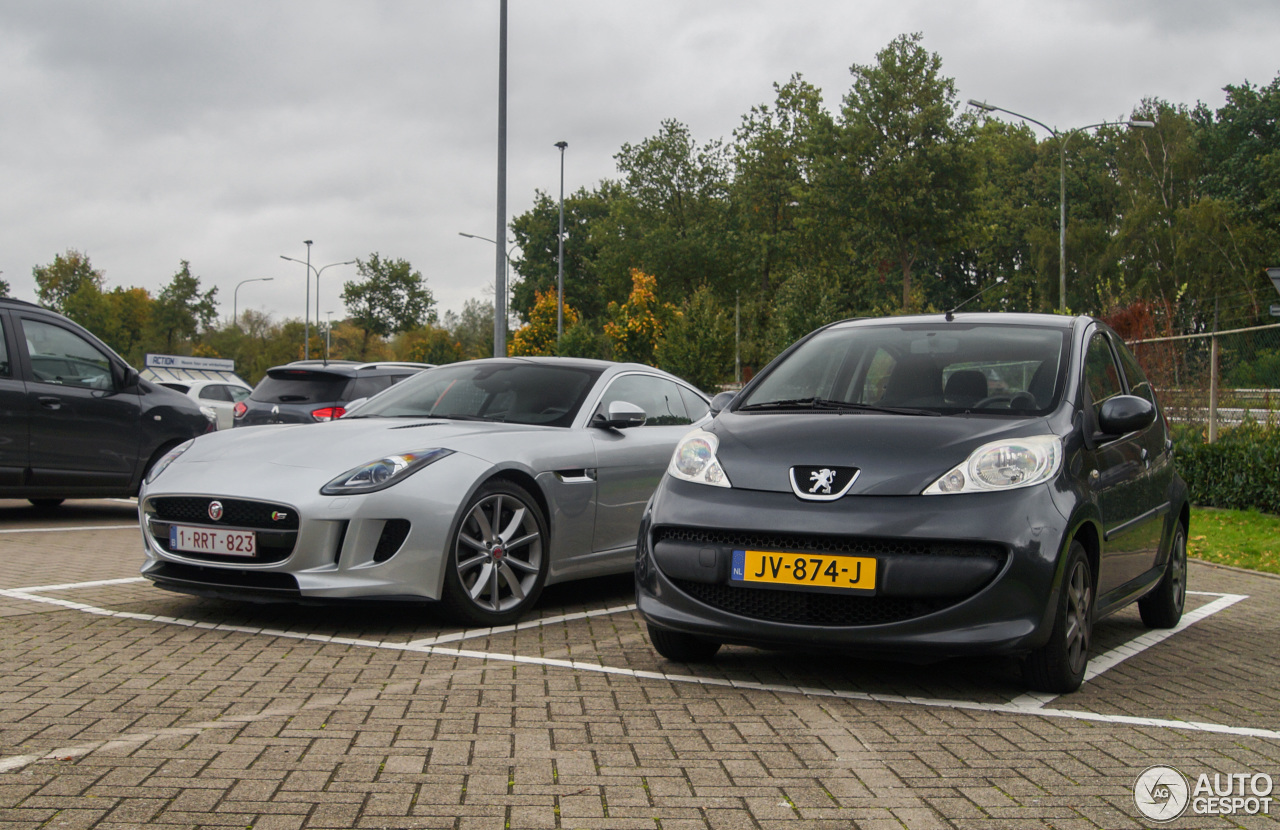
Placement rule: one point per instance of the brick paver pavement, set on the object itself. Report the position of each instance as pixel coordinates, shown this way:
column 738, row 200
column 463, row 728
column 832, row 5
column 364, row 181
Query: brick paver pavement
column 126, row 706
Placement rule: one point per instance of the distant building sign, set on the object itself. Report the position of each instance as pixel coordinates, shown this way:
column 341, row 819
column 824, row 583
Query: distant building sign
column 207, row 364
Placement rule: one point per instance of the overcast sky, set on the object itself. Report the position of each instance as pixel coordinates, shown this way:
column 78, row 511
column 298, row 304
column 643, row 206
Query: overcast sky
column 226, row 133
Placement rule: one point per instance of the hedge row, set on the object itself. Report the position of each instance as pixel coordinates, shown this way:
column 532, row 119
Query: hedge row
column 1240, row 471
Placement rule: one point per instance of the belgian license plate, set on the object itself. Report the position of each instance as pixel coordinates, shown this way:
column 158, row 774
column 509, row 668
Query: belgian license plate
column 206, row 540
column 857, row 573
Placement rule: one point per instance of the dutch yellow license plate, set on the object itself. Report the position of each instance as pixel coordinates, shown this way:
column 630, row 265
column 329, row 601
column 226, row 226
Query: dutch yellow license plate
column 856, row 573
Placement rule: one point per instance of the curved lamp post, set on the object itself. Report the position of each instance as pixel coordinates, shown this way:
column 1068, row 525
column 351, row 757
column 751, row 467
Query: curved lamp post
column 1063, row 136
column 235, row 297
column 506, row 272
column 306, row 330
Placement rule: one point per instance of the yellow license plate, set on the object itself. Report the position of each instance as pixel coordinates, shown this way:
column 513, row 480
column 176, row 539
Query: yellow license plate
column 857, row 573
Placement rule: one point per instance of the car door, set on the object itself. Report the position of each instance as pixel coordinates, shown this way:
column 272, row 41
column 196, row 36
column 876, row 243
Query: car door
column 217, row 396
column 85, row 433
column 631, row 462
column 1118, row 477
column 14, row 436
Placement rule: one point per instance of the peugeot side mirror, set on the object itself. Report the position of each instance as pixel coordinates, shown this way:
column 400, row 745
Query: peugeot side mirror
column 1125, row 413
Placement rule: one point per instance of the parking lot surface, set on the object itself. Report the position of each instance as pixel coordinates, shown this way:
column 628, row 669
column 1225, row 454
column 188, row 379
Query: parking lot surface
column 127, row 706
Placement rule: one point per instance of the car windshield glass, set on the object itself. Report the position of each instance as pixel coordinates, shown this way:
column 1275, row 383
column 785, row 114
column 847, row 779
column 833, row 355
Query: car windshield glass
column 521, row 393
column 300, row 387
column 951, row 368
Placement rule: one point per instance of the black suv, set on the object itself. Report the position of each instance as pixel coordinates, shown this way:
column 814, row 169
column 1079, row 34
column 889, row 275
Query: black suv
column 76, row 421
column 307, row 391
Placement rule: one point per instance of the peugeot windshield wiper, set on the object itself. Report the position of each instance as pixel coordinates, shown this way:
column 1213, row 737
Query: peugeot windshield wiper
column 834, row 406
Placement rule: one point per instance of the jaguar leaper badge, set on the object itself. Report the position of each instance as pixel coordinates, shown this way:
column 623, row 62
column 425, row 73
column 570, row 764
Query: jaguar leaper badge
column 821, row 483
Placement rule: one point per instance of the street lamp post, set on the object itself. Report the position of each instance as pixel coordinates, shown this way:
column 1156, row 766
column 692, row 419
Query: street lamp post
column 506, row 282
column 328, row 332
column 235, row 296
column 306, row 348
column 560, row 254
column 1063, row 137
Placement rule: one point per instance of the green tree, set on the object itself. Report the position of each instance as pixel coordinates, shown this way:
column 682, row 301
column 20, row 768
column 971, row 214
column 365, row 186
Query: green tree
column 674, row 218
column 697, row 344
column 391, row 298
column 1241, row 144
column 901, row 168
column 774, row 157
column 429, row 344
column 60, row 279
column 181, row 310
column 472, row 330
column 586, row 215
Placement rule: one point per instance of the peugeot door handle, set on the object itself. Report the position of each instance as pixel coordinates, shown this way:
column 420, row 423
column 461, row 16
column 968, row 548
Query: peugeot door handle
column 50, row 403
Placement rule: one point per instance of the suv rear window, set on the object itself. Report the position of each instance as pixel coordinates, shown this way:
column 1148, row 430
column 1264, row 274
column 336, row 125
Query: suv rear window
column 301, row 387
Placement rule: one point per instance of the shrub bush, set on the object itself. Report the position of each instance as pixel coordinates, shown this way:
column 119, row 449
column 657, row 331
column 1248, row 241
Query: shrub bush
column 1240, row 471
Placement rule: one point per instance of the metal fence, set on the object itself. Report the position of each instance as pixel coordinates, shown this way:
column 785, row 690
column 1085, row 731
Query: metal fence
column 1216, row 379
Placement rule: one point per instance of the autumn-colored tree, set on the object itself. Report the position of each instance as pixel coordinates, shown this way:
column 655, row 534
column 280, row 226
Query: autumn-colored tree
column 636, row 326
column 538, row 336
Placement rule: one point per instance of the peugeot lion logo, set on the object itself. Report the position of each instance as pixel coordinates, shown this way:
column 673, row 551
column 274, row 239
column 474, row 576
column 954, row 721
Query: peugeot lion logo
column 215, row 510
column 822, row 479
column 822, row 483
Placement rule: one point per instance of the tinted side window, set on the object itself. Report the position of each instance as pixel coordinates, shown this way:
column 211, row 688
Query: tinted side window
column 658, row 397
column 368, row 386
column 65, row 358
column 694, row 405
column 215, row 393
column 1101, row 377
column 5, row 371
column 1138, row 383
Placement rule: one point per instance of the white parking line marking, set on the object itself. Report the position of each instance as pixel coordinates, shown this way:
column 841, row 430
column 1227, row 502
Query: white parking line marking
column 133, row 526
column 1024, row 705
column 71, row 586
column 472, row 633
column 1111, row 659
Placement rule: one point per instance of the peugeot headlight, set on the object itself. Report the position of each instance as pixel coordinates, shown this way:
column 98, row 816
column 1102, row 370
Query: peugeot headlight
column 167, row 459
column 382, row 473
column 1003, row 465
column 695, row 460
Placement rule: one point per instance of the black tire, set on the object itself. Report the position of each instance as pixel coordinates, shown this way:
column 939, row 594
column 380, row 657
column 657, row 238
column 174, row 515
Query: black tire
column 45, row 504
column 1059, row 665
column 682, row 648
column 1162, row 608
column 497, row 558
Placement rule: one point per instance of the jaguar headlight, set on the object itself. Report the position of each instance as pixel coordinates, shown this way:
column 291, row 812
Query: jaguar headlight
column 1003, row 465
column 695, row 460
column 382, row 473
column 167, row 459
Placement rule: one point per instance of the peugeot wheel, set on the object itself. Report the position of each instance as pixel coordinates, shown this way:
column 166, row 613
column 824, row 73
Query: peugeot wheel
column 1162, row 608
column 498, row 558
column 1059, row 665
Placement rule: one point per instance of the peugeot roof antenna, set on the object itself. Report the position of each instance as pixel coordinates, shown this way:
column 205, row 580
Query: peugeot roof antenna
column 951, row 314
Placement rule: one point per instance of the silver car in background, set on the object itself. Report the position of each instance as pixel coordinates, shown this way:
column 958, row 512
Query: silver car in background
column 475, row 484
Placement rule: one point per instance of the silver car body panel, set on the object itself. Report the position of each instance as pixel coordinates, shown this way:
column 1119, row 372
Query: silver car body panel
column 287, row 465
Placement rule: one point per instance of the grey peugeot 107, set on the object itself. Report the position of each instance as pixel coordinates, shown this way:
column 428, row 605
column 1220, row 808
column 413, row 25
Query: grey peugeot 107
column 924, row 486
